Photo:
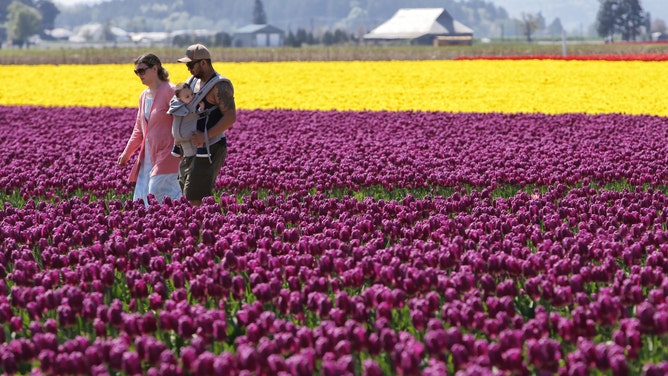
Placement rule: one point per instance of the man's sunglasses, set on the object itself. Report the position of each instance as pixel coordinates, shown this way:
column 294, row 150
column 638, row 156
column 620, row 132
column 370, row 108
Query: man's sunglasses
column 191, row 64
column 141, row 71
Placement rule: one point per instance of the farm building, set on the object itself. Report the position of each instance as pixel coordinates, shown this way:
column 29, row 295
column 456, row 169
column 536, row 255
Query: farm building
column 258, row 35
column 423, row 26
column 97, row 32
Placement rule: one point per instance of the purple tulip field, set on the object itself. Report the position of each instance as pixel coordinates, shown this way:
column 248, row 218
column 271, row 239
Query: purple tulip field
column 340, row 243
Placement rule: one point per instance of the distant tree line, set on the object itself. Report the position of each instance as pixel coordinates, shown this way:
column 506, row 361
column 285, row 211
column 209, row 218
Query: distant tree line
column 297, row 39
column 328, row 38
column 220, row 39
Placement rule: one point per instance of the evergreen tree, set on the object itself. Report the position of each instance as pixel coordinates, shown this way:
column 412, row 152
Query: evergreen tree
column 259, row 16
column 301, row 37
column 625, row 17
column 555, row 28
column 291, row 40
column 222, row 39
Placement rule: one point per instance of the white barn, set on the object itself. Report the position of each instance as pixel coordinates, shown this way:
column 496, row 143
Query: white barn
column 423, row 26
column 95, row 32
column 258, row 35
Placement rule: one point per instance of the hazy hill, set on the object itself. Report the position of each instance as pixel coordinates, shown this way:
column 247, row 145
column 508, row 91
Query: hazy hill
column 486, row 17
column 354, row 16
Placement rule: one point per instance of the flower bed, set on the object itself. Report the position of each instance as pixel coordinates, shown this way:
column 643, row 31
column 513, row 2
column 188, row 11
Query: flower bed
column 522, row 86
column 346, row 242
column 568, row 281
column 299, row 151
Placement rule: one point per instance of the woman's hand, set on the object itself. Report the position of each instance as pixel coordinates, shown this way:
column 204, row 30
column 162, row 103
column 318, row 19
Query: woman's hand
column 122, row 160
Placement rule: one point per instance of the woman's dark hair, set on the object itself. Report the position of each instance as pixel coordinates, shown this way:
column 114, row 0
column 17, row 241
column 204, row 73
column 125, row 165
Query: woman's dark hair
column 151, row 60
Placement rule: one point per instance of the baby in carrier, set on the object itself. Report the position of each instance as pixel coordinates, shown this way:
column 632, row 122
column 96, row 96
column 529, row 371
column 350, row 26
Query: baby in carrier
column 179, row 107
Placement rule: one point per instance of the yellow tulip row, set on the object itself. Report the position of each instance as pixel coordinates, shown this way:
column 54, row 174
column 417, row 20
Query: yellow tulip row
column 510, row 86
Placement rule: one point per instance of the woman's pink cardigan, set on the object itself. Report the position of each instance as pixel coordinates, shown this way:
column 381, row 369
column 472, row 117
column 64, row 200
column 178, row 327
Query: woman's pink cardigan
column 158, row 131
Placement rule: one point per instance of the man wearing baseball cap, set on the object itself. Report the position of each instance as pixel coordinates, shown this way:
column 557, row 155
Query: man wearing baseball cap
column 197, row 176
column 195, row 52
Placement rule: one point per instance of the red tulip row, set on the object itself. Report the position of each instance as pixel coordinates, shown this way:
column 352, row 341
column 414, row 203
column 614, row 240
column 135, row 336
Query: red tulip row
column 607, row 57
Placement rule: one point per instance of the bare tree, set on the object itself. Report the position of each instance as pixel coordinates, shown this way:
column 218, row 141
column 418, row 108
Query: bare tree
column 530, row 23
column 658, row 26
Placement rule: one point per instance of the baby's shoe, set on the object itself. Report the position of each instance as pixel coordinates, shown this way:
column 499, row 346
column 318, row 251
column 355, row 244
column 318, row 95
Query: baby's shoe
column 177, row 151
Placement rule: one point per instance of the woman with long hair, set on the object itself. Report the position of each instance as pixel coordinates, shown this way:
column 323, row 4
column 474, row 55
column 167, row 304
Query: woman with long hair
column 156, row 169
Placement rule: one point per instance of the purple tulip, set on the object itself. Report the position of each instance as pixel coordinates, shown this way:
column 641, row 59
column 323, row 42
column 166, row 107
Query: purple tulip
column 131, row 363
column 46, row 359
column 460, row 355
column 276, row 363
column 544, row 354
column 371, row 368
column 188, row 358
column 301, row 364
column 204, row 364
column 224, row 364
column 435, row 341
column 186, row 327
column 512, row 359
column 248, row 358
column 66, row 316
column 618, row 365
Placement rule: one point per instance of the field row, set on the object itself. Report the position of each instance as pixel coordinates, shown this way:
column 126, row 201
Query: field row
column 415, row 218
column 299, row 267
column 300, row 151
column 569, row 281
column 509, row 86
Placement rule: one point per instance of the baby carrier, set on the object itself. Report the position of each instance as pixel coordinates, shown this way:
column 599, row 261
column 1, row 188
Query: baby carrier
column 186, row 117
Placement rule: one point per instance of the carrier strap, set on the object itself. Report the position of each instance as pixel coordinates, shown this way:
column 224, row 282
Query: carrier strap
column 198, row 97
column 203, row 91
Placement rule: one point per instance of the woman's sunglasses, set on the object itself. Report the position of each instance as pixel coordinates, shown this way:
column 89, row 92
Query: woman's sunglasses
column 141, row 71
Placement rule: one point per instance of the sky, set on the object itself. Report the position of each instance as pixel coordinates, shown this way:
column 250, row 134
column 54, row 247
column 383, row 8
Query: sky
column 575, row 15
column 75, row 2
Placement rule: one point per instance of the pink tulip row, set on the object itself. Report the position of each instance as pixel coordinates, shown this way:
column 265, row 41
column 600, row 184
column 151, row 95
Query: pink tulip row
column 302, row 151
column 271, row 278
column 567, row 281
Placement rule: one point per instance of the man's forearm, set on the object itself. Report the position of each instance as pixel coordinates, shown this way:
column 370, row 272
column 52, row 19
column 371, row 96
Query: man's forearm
column 225, row 123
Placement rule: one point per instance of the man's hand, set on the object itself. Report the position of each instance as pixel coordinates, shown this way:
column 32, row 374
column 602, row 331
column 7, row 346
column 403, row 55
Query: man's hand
column 197, row 138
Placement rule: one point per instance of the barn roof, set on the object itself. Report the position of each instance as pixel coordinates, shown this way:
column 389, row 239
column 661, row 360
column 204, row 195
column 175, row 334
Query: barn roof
column 257, row 28
column 412, row 23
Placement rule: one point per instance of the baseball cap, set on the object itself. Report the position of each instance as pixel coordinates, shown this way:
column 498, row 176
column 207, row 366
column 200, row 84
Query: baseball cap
column 195, row 52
